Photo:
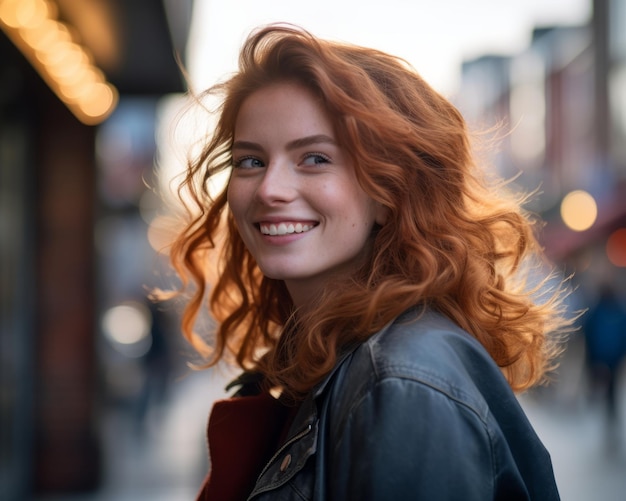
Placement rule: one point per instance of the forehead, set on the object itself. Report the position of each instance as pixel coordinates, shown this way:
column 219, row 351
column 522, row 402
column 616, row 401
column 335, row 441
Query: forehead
column 285, row 104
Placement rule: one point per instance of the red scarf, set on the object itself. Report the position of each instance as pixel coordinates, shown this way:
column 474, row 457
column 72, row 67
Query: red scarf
column 243, row 434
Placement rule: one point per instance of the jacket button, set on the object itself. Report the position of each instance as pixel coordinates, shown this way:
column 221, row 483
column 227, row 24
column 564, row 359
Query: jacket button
column 286, row 462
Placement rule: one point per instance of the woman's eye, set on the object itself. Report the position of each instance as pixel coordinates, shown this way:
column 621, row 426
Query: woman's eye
column 315, row 159
column 248, row 163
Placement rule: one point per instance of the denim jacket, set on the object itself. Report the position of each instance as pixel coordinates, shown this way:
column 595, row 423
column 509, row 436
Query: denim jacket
column 419, row 411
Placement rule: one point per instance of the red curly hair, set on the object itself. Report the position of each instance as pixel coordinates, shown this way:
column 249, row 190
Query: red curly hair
column 452, row 241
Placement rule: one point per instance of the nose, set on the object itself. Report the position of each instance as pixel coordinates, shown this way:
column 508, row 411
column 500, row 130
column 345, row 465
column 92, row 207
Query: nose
column 277, row 185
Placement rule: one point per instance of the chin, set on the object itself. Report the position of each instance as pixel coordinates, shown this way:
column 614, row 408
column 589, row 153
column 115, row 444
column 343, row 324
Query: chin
column 273, row 273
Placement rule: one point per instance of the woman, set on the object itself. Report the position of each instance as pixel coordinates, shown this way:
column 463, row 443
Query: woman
column 371, row 285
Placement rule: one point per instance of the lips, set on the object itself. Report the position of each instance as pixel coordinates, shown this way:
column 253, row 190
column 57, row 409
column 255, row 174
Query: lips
column 285, row 228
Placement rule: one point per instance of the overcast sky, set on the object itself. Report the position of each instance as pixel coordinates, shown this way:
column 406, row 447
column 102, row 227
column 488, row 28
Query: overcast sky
column 433, row 35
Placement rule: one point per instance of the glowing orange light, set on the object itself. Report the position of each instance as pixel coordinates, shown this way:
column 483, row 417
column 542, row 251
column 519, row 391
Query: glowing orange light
column 9, row 13
column 31, row 13
column 579, row 210
column 65, row 65
column 102, row 97
column 616, row 248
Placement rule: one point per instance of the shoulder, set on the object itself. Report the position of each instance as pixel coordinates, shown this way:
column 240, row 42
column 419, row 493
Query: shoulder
column 423, row 342
column 428, row 350
column 422, row 395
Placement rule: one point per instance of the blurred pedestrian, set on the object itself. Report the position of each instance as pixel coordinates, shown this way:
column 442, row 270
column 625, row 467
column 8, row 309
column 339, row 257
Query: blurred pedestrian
column 605, row 341
column 157, row 364
column 370, row 285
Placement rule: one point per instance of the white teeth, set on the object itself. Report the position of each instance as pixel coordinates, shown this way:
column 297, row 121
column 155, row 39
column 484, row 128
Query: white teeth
column 284, row 228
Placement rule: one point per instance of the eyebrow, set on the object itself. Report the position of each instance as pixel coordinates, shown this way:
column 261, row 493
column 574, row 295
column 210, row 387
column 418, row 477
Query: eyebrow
column 291, row 145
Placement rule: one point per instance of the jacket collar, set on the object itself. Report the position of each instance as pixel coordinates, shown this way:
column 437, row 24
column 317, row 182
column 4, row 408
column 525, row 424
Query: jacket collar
column 318, row 389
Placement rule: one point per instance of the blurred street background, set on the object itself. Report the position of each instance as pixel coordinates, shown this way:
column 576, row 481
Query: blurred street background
column 97, row 401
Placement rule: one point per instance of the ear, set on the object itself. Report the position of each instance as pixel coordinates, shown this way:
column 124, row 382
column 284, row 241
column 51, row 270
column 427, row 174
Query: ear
column 381, row 214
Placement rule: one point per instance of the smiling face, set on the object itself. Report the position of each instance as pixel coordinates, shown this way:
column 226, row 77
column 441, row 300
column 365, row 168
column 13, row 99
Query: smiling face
column 293, row 191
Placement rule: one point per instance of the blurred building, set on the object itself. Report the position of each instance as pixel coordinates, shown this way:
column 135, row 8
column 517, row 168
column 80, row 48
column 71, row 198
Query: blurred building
column 561, row 108
column 54, row 101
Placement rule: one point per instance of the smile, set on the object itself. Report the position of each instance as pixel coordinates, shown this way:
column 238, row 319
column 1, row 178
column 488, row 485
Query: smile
column 284, row 228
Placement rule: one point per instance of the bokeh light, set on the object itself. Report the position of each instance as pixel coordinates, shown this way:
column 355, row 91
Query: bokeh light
column 65, row 65
column 579, row 210
column 127, row 326
column 616, row 248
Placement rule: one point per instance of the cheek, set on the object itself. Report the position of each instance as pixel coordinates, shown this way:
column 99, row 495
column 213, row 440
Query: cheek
column 236, row 196
column 354, row 207
column 363, row 210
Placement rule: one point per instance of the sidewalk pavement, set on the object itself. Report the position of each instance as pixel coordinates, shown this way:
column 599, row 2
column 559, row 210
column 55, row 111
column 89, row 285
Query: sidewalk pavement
column 589, row 462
